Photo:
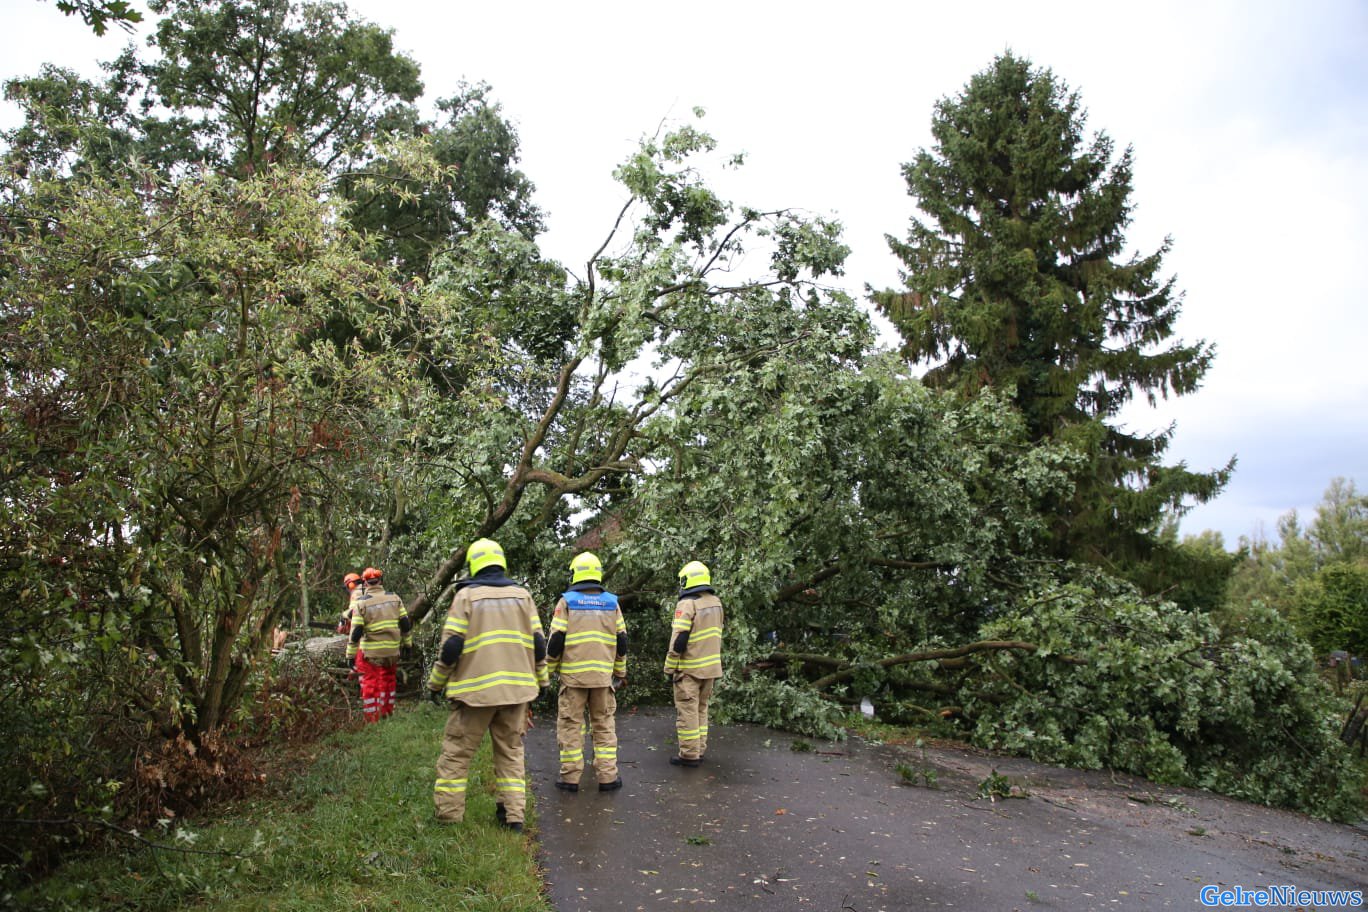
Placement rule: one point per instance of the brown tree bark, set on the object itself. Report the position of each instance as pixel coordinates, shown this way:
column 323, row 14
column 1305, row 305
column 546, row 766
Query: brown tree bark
column 849, row 670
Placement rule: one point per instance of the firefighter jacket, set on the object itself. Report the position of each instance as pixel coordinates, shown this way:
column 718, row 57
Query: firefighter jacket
column 588, row 638
column 379, row 626
column 345, row 618
column 493, row 651
column 696, row 635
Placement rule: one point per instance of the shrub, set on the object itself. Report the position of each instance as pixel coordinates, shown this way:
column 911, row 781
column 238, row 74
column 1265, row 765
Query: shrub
column 1164, row 693
column 87, row 769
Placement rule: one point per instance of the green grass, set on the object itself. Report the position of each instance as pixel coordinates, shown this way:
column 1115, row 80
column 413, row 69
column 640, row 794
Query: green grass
column 355, row 830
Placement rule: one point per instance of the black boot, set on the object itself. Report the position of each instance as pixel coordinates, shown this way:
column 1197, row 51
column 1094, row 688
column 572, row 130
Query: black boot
column 685, row 761
column 611, row 786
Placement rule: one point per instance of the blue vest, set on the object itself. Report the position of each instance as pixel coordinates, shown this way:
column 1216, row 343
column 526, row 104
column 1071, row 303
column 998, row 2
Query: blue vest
column 585, row 601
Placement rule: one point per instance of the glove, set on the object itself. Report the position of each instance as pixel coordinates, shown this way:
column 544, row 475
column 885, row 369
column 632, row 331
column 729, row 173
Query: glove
column 436, row 697
column 544, row 694
column 406, row 652
column 619, row 682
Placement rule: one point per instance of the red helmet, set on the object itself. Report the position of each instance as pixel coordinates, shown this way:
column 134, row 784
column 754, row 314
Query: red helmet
column 370, row 574
column 351, row 579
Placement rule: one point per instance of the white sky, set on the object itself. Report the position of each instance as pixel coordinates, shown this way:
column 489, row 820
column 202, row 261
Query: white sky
column 1249, row 122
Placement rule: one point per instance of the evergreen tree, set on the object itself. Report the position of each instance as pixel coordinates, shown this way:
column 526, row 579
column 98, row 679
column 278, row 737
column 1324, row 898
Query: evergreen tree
column 1019, row 280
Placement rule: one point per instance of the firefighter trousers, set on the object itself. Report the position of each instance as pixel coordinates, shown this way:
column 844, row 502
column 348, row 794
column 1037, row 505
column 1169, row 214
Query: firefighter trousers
column 465, row 730
column 570, row 732
column 691, row 696
column 378, row 685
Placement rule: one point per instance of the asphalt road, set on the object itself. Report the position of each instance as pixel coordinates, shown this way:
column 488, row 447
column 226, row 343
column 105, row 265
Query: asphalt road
column 761, row 826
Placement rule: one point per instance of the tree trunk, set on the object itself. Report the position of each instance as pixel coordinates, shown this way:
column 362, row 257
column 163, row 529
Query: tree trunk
column 851, row 669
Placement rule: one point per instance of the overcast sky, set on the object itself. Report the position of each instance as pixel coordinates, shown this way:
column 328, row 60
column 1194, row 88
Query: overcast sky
column 1249, row 122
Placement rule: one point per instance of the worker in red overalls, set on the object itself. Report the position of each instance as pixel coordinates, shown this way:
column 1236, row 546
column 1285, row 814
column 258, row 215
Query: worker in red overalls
column 380, row 631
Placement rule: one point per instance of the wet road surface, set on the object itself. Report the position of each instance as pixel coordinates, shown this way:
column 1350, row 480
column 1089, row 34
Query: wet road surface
column 837, row 827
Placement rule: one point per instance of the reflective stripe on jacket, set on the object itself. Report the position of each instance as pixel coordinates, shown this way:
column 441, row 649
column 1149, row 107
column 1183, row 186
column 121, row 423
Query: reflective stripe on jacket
column 591, row 622
column 701, row 617
column 498, row 664
column 377, row 615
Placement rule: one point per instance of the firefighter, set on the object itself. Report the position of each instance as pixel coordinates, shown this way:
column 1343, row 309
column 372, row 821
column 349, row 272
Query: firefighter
column 491, row 665
column 588, row 647
column 380, row 631
column 694, row 660
column 355, row 591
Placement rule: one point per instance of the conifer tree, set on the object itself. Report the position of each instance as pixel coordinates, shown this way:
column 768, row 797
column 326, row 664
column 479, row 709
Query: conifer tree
column 1018, row 279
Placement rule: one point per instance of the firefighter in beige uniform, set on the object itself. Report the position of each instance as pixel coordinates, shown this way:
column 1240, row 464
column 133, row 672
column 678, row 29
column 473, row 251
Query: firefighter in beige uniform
column 355, row 592
column 492, row 663
column 588, row 647
column 380, row 632
column 694, row 662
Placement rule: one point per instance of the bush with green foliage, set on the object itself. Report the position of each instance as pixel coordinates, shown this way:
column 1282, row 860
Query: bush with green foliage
column 1331, row 608
column 1139, row 686
column 69, row 750
column 85, row 767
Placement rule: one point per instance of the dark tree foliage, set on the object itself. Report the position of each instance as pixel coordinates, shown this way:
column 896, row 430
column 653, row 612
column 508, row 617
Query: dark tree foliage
column 479, row 149
column 254, row 83
column 1018, row 280
column 239, row 87
column 242, row 88
column 1193, row 573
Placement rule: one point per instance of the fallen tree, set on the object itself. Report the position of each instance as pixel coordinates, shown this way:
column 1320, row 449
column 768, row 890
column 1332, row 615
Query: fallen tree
column 665, row 283
column 1088, row 673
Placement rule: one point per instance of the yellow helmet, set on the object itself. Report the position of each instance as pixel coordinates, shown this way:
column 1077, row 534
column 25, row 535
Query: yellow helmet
column 586, row 567
column 484, row 552
column 694, row 573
